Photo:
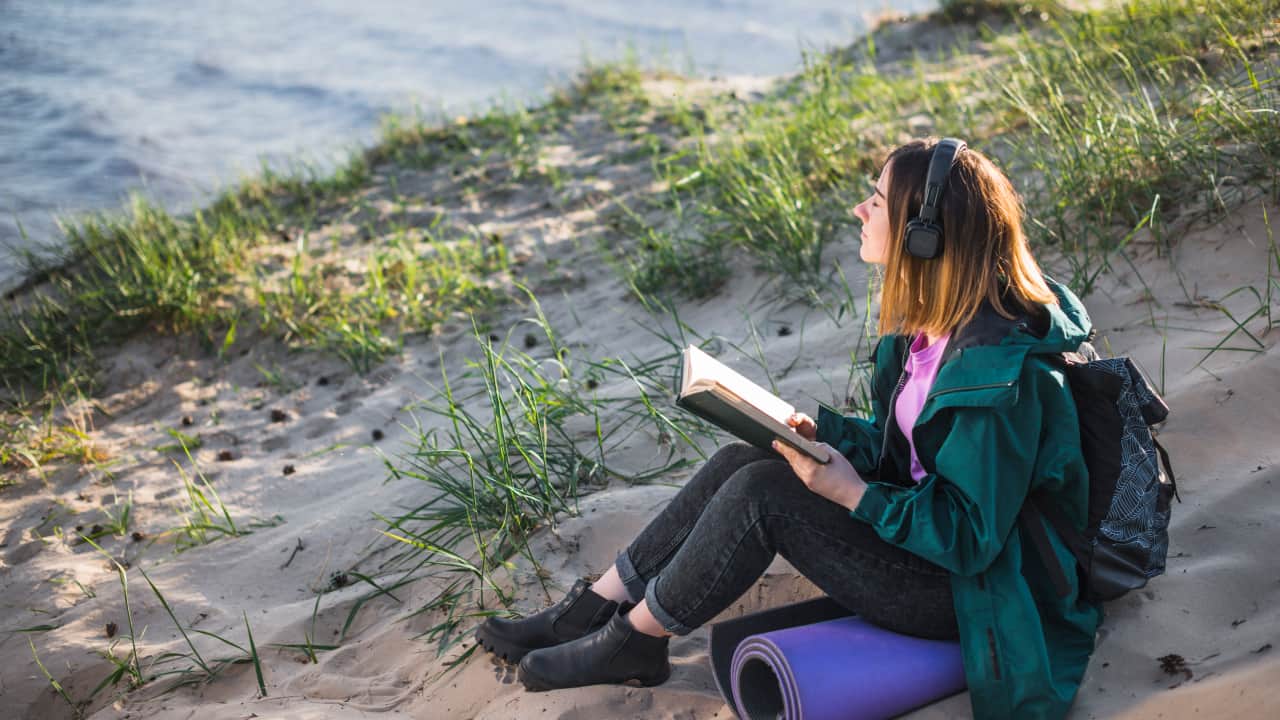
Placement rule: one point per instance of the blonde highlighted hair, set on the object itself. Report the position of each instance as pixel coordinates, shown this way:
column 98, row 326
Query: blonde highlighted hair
column 985, row 254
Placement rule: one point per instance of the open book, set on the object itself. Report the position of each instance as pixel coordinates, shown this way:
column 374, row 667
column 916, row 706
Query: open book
column 711, row 390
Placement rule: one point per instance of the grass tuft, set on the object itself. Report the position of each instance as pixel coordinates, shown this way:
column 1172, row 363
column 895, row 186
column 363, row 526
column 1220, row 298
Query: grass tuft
column 253, row 654
column 511, row 457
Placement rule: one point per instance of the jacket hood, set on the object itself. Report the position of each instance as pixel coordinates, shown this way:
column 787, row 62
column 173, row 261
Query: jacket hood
column 1054, row 329
column 1068, row 322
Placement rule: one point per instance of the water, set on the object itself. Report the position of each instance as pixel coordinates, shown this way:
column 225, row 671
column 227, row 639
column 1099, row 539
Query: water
column 99, row 98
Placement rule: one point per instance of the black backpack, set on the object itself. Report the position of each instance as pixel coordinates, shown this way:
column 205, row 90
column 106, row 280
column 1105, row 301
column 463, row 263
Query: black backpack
column 1131, row 482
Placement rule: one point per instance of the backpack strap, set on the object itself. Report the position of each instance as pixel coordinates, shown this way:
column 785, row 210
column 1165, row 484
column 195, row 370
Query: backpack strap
column 1168, row 468
column 1033, row 520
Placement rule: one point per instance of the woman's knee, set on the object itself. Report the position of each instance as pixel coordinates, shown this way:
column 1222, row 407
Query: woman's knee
column 738, row 453
column 722, row 464
column 755, row 482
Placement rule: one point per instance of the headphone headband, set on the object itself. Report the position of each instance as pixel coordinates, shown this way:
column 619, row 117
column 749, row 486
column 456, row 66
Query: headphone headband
column 924, row 233
column 944, row 156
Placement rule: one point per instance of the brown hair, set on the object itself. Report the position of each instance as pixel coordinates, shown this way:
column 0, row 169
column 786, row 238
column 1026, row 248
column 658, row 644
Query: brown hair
column 985, row 255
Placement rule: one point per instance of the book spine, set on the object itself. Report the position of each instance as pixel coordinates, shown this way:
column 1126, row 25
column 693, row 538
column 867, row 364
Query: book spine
column 708, row 406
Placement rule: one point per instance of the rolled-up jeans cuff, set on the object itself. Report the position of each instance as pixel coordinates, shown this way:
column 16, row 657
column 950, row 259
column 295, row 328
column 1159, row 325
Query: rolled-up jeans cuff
column 669, row 623
column 630, row 578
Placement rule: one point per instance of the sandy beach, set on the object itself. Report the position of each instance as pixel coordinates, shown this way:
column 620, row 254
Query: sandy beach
column 302, row 450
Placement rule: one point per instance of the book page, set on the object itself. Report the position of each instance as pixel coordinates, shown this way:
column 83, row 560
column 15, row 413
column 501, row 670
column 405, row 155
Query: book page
column 703, row 371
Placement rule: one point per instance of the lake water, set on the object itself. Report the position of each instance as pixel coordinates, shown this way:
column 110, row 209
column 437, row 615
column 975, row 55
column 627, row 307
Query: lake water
column 100, row 98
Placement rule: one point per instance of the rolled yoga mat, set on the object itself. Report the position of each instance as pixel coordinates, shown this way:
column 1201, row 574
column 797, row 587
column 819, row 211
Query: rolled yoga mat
column 807, row 662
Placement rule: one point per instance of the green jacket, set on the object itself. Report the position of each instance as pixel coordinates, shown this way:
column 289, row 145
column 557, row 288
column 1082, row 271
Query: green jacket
column 998, row 423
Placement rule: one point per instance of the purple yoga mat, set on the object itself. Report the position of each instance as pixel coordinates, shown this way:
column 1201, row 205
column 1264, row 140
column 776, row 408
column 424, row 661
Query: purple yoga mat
column 839, row 670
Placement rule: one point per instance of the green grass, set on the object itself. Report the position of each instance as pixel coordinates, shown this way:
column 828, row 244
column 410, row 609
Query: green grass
column 113, row 275
column 57, row 429
column 508, row 132
column 187, row 667
column 77, row 709
column 1259, row 305
column 277, row 379
column 1102, row 117
column 211, row 274
column 308, row 646
column 191, row 667
column 205, row 517
column 780, row 184
column 415, row 281
column 114, row 522
column 513, row 457
column 971, row 11
column 1125, row 112
column 119, row 275
column 129, row 666
column 669, row 255
column 149, row 270
column 253, row 656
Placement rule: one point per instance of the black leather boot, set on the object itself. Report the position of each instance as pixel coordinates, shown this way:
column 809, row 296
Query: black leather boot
column 579, row 613
column 615, row 654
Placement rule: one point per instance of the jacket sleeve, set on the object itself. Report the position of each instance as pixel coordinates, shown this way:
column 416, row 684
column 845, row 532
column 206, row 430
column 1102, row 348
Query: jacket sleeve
column 960, row 515
column 857, row 439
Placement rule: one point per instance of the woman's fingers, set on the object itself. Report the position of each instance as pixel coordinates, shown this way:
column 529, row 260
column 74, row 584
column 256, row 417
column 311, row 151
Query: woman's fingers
column 800, row 463
column 804, row 425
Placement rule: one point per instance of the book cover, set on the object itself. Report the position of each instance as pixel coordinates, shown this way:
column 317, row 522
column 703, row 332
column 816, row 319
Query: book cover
column 723, row 397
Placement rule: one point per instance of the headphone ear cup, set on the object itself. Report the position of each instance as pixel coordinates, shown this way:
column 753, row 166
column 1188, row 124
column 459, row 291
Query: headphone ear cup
column 924, row 239
column 923, row 233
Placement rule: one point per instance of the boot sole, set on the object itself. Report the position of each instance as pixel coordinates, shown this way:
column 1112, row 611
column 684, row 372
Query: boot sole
column 533, row 683
column 500, row 647
column 505, row 649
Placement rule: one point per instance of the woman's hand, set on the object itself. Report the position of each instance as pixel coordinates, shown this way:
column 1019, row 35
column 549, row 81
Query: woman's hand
column 804, row 426
column 836, row 481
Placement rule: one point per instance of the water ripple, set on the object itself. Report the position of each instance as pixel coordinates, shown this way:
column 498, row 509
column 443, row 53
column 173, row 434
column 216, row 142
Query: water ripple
column 98, row 99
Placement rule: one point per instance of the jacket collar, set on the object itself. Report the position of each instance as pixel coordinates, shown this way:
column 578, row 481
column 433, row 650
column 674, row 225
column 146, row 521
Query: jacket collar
column 989, row 327
column 984, row 358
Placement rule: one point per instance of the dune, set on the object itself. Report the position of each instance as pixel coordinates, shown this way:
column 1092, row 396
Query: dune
column 299, row 457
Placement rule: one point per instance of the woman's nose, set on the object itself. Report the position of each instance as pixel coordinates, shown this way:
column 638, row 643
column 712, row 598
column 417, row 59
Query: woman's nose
column 860, row 211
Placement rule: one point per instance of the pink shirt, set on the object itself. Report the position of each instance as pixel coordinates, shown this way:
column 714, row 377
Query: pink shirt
column 921, row 369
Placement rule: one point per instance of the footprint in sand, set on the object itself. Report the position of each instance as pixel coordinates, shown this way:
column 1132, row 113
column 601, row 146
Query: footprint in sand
column 275, row 443
column 503, row 671
column 318, row 427
column 23, row 552
column 165, row 494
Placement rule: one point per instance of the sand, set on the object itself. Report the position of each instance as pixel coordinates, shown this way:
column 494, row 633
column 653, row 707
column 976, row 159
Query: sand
column 1218, row 606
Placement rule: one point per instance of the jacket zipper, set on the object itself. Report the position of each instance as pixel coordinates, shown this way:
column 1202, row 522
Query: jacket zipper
column 893, row 401
column 988, row 386
column 892, row 412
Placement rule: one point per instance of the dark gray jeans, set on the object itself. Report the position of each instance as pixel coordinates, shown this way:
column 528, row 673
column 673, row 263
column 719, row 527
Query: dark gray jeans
column 742, row 507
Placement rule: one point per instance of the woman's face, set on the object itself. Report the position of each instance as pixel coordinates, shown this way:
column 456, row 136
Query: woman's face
column 874, row 214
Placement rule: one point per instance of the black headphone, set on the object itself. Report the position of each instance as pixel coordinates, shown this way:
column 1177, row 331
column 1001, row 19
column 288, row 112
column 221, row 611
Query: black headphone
column 924, row 232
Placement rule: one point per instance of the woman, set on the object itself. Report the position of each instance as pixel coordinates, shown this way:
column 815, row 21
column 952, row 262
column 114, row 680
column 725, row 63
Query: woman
column 912, row 523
